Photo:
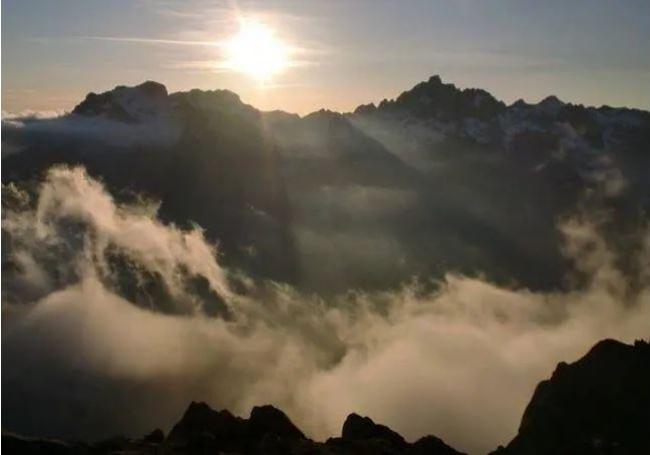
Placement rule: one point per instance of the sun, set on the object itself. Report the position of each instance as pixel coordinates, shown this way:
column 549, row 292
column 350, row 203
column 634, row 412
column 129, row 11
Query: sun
column 255, row 51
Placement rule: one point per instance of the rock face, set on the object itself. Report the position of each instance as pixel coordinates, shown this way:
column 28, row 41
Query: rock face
column 597, row 405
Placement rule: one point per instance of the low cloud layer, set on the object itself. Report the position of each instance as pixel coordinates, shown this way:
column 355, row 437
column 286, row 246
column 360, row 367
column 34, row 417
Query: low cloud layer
column 34, row 128
column 113, row 322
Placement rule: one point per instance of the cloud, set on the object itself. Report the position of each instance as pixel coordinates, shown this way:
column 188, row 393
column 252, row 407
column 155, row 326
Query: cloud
column 131, row 39
column 29, row 127
column 121, row 335
column 31, row 114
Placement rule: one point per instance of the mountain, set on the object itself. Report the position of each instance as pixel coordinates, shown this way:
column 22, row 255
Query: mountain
column 423, row 261
column 476, row 115
column 431, row 162
column 127, row 104
column 599, row 404
column 436, row 100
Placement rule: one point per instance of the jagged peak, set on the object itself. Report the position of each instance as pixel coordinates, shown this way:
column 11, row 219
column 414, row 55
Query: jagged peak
column 434, row 98
column 149, row 88
column 365, row 108
column 126, row 104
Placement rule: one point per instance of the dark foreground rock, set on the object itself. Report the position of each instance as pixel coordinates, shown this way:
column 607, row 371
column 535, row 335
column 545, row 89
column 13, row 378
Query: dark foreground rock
column 202, row 429
column 268, row 431
column 599, row 405
column 13, row 443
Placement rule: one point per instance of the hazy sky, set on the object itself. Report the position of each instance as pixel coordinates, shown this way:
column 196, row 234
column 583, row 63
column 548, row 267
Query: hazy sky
column 351, row 52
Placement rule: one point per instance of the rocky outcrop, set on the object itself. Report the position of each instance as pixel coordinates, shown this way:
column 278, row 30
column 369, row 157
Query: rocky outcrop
column 202, row 429
column 267, row 431
column 360, row 435
column 597, row 405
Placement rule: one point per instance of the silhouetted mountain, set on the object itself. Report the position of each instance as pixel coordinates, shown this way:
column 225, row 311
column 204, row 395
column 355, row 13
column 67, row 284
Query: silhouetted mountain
column 597, row 405
column 434, row 99
column 267, row 431
column 126, row 104
column 476, row 115
column 275, row 189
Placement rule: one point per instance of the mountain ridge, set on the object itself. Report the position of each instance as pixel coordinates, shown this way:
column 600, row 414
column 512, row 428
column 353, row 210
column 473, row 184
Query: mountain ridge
column 560, row 151
column 470, row 113
column 472, row 94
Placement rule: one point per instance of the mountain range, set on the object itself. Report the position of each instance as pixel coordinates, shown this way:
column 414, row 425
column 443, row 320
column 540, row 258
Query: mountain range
column 423, row 261
column 426, row 178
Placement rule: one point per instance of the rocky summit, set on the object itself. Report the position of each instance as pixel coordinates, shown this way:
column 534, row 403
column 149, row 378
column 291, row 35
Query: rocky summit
column 598, row 405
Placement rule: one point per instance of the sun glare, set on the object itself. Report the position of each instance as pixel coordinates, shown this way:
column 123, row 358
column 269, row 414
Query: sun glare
column 256, row 51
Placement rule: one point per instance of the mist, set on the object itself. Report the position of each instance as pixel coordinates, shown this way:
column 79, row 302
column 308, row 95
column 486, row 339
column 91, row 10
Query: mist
column 114, row 320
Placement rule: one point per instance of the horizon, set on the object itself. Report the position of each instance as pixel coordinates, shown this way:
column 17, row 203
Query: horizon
column 337, row 56
column 64, row 111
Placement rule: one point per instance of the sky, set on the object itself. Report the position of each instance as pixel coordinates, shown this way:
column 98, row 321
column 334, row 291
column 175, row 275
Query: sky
column 344, row 53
